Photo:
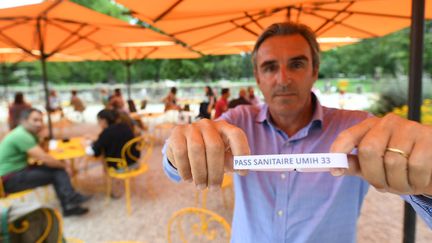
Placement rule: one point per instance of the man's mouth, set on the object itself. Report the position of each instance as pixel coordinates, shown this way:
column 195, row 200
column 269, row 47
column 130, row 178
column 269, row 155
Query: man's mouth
column 284, row 94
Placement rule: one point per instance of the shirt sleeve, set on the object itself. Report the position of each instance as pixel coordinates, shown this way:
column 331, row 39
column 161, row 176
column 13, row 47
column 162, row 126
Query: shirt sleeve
column 24, row 142
column 422, row 205
column 98, row 145
column 169, row 170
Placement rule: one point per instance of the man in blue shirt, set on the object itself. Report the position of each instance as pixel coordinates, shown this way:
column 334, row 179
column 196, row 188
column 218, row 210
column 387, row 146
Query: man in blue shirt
column 393, row 154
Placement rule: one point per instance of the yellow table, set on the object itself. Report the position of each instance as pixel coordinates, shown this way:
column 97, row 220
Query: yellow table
column 67, row 149
column 71, row 150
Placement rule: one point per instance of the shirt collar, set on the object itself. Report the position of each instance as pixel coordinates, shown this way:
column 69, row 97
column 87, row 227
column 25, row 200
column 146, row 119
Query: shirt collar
column 317, row 117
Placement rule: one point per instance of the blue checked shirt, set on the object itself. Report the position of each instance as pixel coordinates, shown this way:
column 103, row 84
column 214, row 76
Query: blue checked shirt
column 295, row 207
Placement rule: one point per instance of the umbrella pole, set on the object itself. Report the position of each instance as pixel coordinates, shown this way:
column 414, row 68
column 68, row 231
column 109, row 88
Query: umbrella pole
column 46, row 91
column 414, row 95
column 128, row 76
column 5, row 81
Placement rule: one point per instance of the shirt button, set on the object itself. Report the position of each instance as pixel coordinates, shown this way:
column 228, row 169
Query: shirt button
column 280, row 213
column 283, row 176
column 430, row 209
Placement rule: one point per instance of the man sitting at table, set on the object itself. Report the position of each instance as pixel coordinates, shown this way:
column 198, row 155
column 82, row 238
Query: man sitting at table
column 17, row 175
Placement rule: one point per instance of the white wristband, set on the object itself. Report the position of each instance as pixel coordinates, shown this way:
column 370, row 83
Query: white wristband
column 299, row 162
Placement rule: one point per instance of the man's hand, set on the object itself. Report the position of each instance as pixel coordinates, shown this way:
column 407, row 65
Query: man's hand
column 39, row 154
column 394, row 154
column 203, row 150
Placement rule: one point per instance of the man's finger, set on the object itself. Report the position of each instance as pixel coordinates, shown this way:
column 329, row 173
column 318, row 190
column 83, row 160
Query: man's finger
column 236, row 144
column 347, row 140
column 234, row 137
column 197, row 156
column 353, row 167
column 177, row 154
column 214, row 147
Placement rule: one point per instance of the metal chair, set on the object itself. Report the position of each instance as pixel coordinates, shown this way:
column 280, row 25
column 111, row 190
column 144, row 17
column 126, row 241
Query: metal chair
column 204, row 225
column 144, row 144
column 227, row 184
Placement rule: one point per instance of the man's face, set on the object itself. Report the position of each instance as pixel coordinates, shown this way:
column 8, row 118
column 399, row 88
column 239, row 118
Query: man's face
column 34, row 122
column 284, row 73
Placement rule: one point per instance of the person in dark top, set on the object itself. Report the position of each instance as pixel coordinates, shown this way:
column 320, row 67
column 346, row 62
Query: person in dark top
column 241, row 100
column 114, row 136
column 206, row 107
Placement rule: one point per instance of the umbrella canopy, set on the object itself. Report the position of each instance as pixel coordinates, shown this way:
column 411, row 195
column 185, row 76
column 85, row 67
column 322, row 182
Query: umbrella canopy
column 129, row 51
column 57, row 26
column 247, row 46
column 202, row 23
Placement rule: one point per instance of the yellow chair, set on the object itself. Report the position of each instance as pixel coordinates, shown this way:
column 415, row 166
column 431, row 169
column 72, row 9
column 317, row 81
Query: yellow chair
column 52, row 216
column 145, row 145
column 204, row 224
column 16, row 195
column 227, row 184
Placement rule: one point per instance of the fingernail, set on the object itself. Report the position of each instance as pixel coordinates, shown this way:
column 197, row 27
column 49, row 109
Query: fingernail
column 201, row 186
column 214, row 188
column 337, row 172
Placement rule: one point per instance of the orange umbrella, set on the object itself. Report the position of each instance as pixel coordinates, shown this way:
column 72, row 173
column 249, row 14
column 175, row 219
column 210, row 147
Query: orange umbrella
column 202, row 23
column 57, row 26
column 247, row 46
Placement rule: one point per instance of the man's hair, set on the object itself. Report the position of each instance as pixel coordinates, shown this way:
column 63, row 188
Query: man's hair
column 25, row 114
column 224, row 91
column 286, row 29
column 74, row 92
column 174, row 90
column 19, row 98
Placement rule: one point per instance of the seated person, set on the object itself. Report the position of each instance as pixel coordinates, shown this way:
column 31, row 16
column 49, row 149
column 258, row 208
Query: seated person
column 114, row 136
column 241, row 100
column 17, row 175
column 16, row 108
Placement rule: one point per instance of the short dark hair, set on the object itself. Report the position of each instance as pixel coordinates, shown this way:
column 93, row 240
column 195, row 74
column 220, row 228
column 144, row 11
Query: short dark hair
column 25, row 114
column 290, row 28
column 19, row 98
column 73, row 92
column 174, row 90
column 111, row 116
column 224, row 91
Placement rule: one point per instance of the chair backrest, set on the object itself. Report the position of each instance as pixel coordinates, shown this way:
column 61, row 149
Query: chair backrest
column 203, row 224
column 142, row 143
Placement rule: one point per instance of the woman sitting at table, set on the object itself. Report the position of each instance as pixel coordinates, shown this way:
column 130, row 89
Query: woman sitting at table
column 115, row 134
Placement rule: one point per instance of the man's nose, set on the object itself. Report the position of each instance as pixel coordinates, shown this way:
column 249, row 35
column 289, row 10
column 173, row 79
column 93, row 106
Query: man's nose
column 284, row 76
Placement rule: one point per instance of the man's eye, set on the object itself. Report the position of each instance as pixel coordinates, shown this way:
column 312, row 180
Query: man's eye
column 270, row 68
column 297, row 64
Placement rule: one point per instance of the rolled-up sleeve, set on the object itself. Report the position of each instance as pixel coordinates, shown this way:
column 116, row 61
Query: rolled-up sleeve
column 169, row 170
column 422, row 205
